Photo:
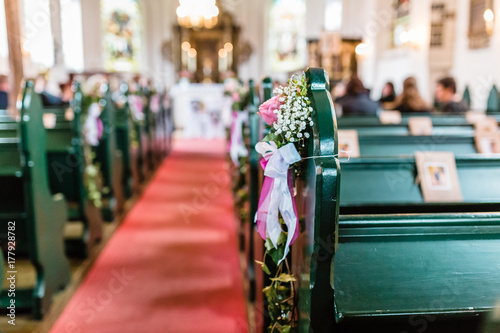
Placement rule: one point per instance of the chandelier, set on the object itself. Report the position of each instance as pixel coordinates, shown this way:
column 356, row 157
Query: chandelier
column 197, row 13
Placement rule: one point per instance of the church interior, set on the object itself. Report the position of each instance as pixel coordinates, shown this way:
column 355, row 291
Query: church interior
column 264, row 166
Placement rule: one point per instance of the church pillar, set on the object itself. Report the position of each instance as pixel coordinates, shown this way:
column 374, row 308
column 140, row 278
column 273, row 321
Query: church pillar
column 12, row 19
column 92, row 35
column 55, row 25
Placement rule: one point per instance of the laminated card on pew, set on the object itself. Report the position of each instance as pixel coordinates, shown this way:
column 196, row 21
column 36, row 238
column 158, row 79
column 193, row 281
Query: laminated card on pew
column 390, row 117
column 348, row 143
column 420, row 126
column 437, row 172
column 473, row 117
column 487, row 136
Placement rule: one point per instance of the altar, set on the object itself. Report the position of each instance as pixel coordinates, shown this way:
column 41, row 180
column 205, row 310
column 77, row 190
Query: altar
column 199, row 110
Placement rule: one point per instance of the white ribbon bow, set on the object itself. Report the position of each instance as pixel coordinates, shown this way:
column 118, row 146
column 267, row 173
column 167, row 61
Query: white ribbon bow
column 281, row 198
column 238, row 148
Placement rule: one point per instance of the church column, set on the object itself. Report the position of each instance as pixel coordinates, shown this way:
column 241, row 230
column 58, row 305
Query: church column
column 12, row 19
column 55, row 25
column 92, row 35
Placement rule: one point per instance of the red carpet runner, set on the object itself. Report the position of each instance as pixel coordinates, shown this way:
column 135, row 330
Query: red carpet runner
column 173, row 265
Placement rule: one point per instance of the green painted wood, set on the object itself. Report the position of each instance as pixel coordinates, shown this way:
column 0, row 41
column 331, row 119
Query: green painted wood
column 110, row 160
column 123, row 129
column 388, row 185
column 66, row 165
column 44, row 214
column 466, row 97
column 493, row 104
column 149, row 130
column 395, row 145
column 321, row 210
column 254, row 124
column 387, row 272
column 395, row 266
column 267, row 88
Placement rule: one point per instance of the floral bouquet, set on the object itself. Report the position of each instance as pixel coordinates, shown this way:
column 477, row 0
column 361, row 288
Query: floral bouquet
column 92, row 104
column 239, row 94
column 288, row 115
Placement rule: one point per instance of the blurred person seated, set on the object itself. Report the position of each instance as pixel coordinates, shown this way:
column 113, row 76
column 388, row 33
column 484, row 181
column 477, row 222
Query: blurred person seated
column 48, row 99
column 356, row 101
column 388, row 93
column 410, row 100
column 4, row 92
column 446, row 90
column 66, row 92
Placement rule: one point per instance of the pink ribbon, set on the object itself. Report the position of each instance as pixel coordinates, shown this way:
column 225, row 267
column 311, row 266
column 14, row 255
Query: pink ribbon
column 273, row 197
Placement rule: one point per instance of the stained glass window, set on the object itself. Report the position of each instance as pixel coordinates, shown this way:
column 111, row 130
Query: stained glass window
column 401, row 22
column 121, row 22
column 287, row 42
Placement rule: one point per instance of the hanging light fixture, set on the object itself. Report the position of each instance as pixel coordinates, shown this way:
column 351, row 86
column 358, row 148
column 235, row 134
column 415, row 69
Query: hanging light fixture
column 197, row 13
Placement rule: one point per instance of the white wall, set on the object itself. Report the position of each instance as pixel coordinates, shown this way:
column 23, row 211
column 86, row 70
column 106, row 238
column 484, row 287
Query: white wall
column 477, row 68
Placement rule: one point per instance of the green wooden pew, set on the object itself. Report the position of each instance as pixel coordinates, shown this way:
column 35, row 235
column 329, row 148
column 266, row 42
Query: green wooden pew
column 466, row 98
column 395, row 145
column 254, row 126
column 38, row 215
column 257, row 133
column 124, row 127
column 410, row 267
column 388, row 186
column 110, row 160
column 442, row 125
column 493, row 103
column 65, row 169
column 149, row 128
column 66, row 165
column 141, row 144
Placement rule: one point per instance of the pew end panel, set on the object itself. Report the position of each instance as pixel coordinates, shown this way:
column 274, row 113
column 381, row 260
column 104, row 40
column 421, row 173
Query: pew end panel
column 321, row 208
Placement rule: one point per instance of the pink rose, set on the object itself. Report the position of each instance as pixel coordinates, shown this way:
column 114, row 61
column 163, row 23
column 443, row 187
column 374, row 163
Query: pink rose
column 236, row 97
column 266, row 110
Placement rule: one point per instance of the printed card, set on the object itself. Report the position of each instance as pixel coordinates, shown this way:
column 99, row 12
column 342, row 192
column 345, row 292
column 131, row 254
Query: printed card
column 390, row 117
column 487, row 136
column 69, row 114
column 473, row 117
column 489, row 125
column 420, row 126
column 49, row 120
column 348, row 143
column 438, row 176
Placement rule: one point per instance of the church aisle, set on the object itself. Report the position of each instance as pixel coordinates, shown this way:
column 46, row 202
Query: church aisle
column 172, row 266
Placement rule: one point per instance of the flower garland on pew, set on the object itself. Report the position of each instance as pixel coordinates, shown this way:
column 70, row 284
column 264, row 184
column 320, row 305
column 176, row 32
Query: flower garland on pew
column 288, row 114
column 92, row 133
column 238, row 152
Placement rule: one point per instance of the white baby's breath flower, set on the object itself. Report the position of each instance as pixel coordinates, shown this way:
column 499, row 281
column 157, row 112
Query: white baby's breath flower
column 306, row 134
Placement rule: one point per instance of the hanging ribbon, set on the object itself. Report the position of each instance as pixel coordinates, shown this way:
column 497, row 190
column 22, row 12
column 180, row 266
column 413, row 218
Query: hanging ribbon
column 276, row 194
column 237, row 147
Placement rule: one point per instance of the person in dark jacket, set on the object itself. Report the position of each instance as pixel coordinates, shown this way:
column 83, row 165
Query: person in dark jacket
column 4, row 92
column 356, row 101
column 446, row 89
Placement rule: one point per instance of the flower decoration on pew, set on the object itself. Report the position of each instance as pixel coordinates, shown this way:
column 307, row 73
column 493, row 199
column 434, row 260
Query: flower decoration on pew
column 93, row 129
column 235, row 115
column 288, row 115
column 239, row 94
